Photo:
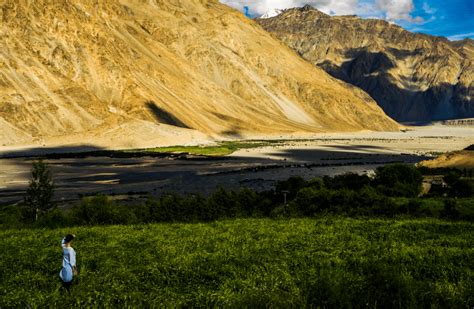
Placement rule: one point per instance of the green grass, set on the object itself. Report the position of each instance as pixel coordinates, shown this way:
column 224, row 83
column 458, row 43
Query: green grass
column 218, row 150
column 434, row 205
column 328, row 262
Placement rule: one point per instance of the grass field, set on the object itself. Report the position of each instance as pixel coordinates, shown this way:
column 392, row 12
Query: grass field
column 328, row 262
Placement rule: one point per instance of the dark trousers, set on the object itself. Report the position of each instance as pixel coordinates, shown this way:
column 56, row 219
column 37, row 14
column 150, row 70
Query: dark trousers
column 67, row 285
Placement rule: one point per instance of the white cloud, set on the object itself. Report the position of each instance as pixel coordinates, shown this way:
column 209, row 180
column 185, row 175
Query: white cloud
column 461, row 36
column 398, row 10
column 391, row 10
column 428, row 9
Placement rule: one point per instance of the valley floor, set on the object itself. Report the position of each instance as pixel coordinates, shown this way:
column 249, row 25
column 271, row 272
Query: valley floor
column 257, row 168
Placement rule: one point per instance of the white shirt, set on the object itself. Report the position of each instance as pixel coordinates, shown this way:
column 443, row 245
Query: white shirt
column 69, row 261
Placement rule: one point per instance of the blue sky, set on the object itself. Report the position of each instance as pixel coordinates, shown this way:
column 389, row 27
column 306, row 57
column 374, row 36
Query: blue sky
column 453, row 18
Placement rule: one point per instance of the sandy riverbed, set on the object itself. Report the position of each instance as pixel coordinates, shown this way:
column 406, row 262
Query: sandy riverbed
column 258, row 168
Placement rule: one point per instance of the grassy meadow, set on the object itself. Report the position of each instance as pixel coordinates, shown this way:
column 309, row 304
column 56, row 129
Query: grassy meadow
column 219, row 150
column 326, row 261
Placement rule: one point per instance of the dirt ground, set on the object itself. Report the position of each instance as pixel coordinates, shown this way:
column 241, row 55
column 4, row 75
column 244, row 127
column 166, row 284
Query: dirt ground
column 259, row 168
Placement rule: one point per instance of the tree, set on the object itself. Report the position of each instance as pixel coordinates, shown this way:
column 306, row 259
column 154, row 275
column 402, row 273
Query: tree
column 41, row 189
column 452, row 177
column 398, row 180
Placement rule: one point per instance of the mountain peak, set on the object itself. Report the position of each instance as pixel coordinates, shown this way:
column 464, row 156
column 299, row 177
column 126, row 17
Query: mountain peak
column 309, row 9
column 271, row 13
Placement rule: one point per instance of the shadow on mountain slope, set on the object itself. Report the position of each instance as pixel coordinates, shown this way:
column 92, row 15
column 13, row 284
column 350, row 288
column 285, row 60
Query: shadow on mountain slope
column 163, row 116
column 371, row 72
column 52, row 152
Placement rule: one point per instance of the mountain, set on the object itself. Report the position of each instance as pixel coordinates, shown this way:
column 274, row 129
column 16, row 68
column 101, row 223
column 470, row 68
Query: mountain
column 271, row 13
column 132, row 72
column 413, row 77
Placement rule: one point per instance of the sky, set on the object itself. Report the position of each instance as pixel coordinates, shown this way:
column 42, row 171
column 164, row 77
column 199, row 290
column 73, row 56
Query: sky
column 453, row 19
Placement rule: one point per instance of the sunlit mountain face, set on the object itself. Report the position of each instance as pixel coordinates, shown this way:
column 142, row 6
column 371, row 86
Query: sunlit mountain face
column 123, row 73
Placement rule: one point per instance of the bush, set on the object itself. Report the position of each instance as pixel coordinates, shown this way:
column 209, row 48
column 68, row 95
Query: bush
column 195, row 209
column 349, row 181
column 411, row 207
column 369, row 201
column 398, row 180
column 452, row 177
column 309, row 202
column 463, row 188
column 291, row 186
column 316, row 183
column 54, row 218
column 101, row 210
column 252, row 204
column 166, row 209
column 10, row 216
column 450, row 210
column 221, row 204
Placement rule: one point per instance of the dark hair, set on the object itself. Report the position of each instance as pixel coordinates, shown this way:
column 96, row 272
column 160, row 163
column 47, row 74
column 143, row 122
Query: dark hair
column 68, row 238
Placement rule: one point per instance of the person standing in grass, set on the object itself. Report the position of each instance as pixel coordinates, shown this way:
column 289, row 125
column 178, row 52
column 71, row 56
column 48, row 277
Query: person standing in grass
column 69, row 269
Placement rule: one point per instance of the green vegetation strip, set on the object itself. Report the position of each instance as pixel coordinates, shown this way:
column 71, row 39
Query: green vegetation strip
column 327, row 262
column 218, row 150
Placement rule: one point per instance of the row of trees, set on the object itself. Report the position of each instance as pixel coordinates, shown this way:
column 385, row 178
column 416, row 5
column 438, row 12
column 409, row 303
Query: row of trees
column 348, row 194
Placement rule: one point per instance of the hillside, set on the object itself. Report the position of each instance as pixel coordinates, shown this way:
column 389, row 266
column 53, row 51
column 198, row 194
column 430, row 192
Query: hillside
column 128, row 73
column 413, row 77
column 463, row 159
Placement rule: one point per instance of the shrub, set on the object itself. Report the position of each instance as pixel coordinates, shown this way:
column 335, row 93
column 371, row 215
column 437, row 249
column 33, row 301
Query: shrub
column 342, row 201
column 53, row 218
column 141, row 213
column 10, row 216
column 251, row 204
column 463, row 188
column 452, row 177
column 166, row 209
column 413, row 207
column 292, row 186
column 450, row 210
column 315, row 183
column 349, row 181
column 100, row 209
column 309, row 202
column 369, row 201
column 398, row 180
column 221, row 204
column 196, row 208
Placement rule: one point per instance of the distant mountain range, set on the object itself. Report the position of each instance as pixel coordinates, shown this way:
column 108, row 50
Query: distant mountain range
column 131, row 73
column 413, row 77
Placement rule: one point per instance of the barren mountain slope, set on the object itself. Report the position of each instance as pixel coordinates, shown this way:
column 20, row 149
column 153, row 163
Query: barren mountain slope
column 132, row 71
column 413, row 77
column 456, row 159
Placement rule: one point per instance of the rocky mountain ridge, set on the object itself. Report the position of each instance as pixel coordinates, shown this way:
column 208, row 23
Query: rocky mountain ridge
column 413, row 77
